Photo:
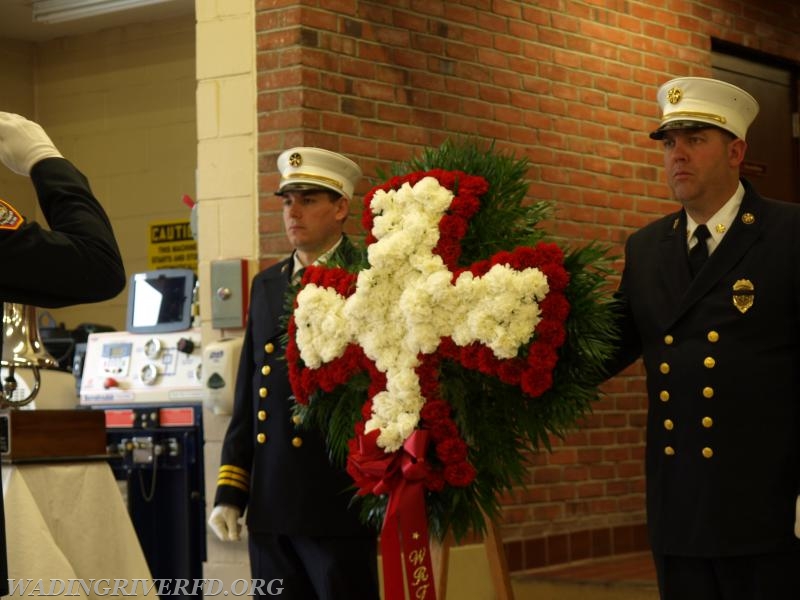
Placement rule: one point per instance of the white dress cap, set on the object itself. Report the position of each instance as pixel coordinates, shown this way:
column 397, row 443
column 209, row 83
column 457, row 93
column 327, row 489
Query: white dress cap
column 691, row 102
column 314, row 168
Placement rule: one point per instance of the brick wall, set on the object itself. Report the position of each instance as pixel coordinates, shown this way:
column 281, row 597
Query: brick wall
column 569, row 84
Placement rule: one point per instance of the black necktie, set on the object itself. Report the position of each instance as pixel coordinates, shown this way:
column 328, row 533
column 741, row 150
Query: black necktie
column 699, row 252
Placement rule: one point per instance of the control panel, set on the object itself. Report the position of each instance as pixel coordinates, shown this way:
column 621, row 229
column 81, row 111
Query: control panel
column 156, row 453
column 149, row 435
column 123, row 368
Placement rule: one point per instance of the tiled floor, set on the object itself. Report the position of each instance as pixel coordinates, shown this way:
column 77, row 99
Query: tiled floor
column 627, row 577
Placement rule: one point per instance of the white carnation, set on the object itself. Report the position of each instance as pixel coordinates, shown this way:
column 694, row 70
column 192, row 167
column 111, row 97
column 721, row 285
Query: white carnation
column 405, row 303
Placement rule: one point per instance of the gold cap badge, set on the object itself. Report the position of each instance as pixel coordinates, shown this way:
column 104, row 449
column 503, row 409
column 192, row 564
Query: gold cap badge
column 674, row 95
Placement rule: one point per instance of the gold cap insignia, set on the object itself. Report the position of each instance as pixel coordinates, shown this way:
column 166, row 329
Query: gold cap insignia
column 748, row 218
column 674, row 95
column 743, row 295
column 295, row 159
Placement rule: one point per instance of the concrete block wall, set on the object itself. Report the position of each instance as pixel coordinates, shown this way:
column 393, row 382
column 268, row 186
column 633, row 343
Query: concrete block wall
column 227, row 189
column 17, row 95
column 120, row 104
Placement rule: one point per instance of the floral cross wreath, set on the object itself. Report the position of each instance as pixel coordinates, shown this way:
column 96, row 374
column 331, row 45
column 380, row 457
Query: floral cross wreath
column 425, row 343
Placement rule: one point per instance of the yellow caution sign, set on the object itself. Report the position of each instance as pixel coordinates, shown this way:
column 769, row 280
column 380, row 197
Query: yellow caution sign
column 171, row 246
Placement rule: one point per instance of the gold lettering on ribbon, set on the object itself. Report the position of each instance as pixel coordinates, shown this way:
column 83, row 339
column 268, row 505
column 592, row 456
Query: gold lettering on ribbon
column 416, row 557
column 420, row 575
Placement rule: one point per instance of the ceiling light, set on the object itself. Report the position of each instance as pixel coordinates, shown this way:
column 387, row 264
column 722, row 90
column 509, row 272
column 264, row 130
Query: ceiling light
column 56, row 11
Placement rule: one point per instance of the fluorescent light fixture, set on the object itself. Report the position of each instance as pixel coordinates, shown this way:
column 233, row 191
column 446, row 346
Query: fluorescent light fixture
column 56, row 11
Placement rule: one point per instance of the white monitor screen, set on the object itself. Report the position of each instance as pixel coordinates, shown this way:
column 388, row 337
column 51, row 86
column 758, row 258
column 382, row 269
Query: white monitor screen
column 160, row 301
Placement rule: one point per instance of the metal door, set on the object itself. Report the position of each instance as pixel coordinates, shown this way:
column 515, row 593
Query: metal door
column 772, row 146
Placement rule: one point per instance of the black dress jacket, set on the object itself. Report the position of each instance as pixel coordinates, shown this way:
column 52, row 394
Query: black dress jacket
column 270, row 464
column 722, row 356
column 75, row 262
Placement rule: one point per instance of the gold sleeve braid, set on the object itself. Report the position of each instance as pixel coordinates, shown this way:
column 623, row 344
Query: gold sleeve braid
column 234, row 476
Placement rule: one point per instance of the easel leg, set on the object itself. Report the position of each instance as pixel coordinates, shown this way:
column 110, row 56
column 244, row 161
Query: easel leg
column 440, row 557
column 498, row 566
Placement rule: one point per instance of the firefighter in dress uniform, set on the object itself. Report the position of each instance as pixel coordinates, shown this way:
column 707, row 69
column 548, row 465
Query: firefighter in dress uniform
column 710, row 298
column 75, row 261
column 303, row 537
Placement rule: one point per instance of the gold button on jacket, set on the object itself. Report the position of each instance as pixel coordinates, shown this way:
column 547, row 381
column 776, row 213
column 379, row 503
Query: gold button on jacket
column 297, row 441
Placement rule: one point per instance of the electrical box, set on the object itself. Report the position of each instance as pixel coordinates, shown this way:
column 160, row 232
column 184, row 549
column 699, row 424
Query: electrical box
column 229, row 293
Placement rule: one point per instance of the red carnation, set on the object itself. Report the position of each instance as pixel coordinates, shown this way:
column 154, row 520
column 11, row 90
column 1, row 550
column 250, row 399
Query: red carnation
column 442, row 429
column 434, row 481
column 435, row 409
column 460, row 474
column 451, row 451
column 551, row 332
column 555, row 306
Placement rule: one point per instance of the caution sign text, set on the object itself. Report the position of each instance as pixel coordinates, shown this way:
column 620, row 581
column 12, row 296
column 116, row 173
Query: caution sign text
column 171, row 246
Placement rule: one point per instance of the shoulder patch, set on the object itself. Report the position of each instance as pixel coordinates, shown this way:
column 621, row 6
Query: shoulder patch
column 10, row 219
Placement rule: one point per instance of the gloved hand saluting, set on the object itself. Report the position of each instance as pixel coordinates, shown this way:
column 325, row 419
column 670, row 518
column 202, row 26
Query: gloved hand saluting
column 23, row 143
column 224, row 522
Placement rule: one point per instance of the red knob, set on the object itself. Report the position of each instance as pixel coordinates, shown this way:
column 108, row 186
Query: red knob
column 110, row 382
column 185, row 345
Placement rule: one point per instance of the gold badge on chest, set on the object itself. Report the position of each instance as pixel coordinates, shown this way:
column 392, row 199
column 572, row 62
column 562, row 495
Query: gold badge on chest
column 743, row 295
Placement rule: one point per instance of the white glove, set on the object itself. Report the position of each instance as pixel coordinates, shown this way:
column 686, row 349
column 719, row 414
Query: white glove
column 224, row 522
column 797, row 518
column 23, row 143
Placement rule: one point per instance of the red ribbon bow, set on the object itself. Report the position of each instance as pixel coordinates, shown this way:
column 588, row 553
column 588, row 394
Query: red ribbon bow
column 404, row 536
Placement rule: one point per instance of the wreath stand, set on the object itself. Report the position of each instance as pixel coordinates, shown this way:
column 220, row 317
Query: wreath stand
column 498, row 566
